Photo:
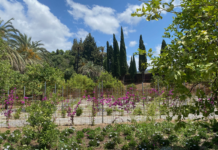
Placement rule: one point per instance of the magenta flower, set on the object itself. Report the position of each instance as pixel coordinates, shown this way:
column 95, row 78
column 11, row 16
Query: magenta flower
column 22, row 102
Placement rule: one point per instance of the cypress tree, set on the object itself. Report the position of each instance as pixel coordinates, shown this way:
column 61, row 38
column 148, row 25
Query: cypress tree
column 134, row 66
column 109, row 57
column 142, row 58
column 123, row 62
column 131, row 68
column 163, row 45
column 116, row 63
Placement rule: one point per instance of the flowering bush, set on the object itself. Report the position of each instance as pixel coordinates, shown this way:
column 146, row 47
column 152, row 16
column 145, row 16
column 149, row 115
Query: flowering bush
column 40, row 118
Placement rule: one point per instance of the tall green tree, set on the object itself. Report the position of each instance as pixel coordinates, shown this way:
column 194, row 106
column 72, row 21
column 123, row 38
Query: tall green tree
column 131, row 69
column 199, row 20
column 163, row 45
column 90, row 48
column 134, row 66
column 123, row 60
column 116, row 63
column 142, row 58
column 107, row 61
column 111, row 59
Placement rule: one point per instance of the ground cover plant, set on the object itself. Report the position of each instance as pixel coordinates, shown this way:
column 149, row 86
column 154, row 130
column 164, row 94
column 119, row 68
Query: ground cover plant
column 146, row 135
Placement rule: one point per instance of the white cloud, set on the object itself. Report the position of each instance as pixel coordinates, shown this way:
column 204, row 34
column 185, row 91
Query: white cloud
column 98, row 18
column 126, row 15
column 126, row 47
column 81, row 33
column 132, row 43
column 157, row 50
column 126, row 30
column 37, row 22
column 145, row 44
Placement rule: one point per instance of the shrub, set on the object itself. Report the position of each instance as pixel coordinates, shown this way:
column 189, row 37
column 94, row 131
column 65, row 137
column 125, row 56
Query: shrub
column 128, row 137
column 40, row 118
column 17, row 114
column 109, row 111
column 215, row 138
column 63, row 113
column 125, row 147
column 113, row 134
column 122, row 112
column 127, row 131
column 117, row 139
column 202, row 133
column 91, row 134
column 167, row 130
column 4, row 136
column 109, row 81
column 13, row 138
column 8, row 146
column 71, row 130
column 86, row 130
column 100, row 137
column 193, row 143
column 157, row 137
column 132, row 143
column 173, row 138
column 131, row 87
column 207, row 144
column 25, row 141
column 82, row 82
column 94, row 143
column 79, row 111
column 109, row 145
column 137, row 111
column 79, row 135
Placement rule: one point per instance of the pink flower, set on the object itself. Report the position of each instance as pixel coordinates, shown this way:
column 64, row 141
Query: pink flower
column 22, row 102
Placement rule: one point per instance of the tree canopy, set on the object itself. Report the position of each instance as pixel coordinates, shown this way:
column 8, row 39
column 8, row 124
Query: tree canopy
column 194, row 47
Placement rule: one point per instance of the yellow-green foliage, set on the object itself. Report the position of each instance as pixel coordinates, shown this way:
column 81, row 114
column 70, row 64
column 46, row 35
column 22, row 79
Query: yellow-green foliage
column 130, row 86
column 109, row 81
column 82, row 82
column 151, row 110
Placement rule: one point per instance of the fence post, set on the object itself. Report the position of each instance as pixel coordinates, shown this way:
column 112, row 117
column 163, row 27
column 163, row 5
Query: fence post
column 62, row 101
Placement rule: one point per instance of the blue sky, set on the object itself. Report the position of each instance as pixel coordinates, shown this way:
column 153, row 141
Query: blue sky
column 57, row 22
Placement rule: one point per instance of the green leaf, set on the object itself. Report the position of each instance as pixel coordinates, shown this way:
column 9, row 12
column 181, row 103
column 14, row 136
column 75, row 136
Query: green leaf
column 175, row 76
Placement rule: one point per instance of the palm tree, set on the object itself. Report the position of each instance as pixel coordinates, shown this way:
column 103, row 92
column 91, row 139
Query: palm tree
column 82, row 62
column 6, row 29
column 91, row 70
column 31, row 53
column 102, row 53
column 11, row 54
